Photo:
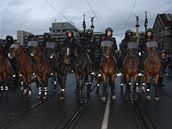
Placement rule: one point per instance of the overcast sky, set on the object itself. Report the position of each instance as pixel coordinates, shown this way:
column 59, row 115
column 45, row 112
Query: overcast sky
column 36, row 16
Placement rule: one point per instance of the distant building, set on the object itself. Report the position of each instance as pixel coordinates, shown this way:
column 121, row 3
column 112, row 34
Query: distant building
column 58, row 30
column 162, row 29
column 22, row 37
column 98, row 36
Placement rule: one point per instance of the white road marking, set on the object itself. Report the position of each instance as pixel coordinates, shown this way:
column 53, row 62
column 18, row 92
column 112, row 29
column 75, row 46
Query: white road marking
column 106, row 113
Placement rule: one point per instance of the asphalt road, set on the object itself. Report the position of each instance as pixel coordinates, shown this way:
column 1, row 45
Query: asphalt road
column 19, row 112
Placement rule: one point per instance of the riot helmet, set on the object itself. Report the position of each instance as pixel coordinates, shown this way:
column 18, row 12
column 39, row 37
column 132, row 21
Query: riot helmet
column 108, row 31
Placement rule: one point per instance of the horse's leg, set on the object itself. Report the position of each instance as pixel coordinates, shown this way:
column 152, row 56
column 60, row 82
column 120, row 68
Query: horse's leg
column 127, row 91
column 62, row 93
column 113, row 86
column 25, row 85
column 135, row 86
column 147, row 79
column 29, row 80
column 77, row 83
column 6, row 84
column 156, row 87
column 143, row 79
column 122, row 84
column 45, row 88
column 39, row 85
column 98, row 82
column 1, row 86
column 83, row 84
column 55, row 80
column 104, row 79
column 89, row 80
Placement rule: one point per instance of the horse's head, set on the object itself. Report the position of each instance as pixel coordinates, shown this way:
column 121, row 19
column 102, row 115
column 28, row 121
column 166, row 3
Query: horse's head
column 36, row 51
column 107, row 52
column 151, row 46
column 14, row 50
column 132, row 48
column 34, row 48
column 66, row 53
column 50, row 49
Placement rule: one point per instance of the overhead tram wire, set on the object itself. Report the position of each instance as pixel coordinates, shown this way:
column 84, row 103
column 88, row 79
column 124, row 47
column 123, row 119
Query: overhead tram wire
column 168, row 10
column 58, row 11
column 130, row 14
column 94, row 14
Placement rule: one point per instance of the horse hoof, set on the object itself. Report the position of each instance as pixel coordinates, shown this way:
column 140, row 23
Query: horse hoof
column 143, row 89
column 81, row 101
column 29, row 94
column 104, row 99
column 114, row 97
column 45, row 97
column 61, row 98
column 135, row 98
column 148, row 97
column 126, row 98
column 157, row 98
column 39, row 97
column 137, row 89
column 25, row 92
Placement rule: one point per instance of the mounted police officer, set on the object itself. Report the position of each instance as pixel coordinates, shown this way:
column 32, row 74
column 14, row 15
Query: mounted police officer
column 123, row 45
column 148, row 38
column 108, row 37
column 47, row 38
column 89, row 46
column 9, row 42
column 70, row 42
column 13, row 61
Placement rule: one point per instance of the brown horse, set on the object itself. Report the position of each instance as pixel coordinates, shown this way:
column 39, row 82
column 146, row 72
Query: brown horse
column 152, row 66
column 26, row 68
column 108, row 70
column 130, row 70
column 82, row 70
column 5, row 71
column 42, row 70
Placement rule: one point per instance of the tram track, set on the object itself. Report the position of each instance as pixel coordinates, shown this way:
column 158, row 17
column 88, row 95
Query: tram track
column 70, row 119
column 26, row 112
column 142, row 120
column 165, row 94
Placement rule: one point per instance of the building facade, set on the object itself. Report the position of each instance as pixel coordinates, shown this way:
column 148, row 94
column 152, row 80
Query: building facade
column 162, row 29
column 58, row 30
column 22, row 37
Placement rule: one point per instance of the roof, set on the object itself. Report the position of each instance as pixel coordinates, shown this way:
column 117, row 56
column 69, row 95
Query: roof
column 164, row 19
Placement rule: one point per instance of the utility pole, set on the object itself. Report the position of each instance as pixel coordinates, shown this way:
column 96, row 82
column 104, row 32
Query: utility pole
column 146, row 22
column 84, row 24
column 137, row 28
